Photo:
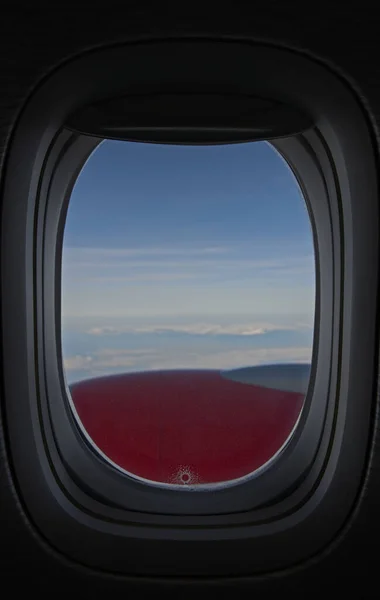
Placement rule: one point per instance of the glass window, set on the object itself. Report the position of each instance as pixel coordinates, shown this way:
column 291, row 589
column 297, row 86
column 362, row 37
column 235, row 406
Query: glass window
column 188, row 293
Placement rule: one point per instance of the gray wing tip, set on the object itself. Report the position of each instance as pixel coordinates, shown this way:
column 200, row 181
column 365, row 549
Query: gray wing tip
column 289, row 377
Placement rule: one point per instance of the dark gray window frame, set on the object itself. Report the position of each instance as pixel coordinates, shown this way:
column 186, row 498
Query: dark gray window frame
column 306, row 495
column 248, row 492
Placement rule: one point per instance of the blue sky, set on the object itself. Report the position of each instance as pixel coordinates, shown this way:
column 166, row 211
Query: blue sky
column 185, row 256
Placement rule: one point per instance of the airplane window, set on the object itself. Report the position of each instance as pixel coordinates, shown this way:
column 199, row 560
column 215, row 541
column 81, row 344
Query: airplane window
column 188, row 293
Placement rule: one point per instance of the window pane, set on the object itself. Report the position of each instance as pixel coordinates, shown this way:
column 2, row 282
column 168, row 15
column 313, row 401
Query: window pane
column 188, row 291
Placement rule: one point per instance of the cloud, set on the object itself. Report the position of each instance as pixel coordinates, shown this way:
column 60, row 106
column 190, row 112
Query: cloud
column 109, row 360
column 87, row 256
column 232, row 358
column 143, row 251
column 77, row 362
column 291, row 264
column 189, row 257
column 178, row 280
column 194, row 329
column 104, row 331
column 145, row 277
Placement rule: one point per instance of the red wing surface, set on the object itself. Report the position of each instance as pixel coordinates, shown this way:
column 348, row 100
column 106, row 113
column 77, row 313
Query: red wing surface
column 192, row 427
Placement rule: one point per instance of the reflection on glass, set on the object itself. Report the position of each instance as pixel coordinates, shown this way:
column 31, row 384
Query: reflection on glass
column 188, row 290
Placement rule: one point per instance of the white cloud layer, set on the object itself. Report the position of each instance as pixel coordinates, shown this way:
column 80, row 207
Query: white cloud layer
column 108, row 360
column 96, row 253
column 182, row 258
column 187, row 280
column 195, row 329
